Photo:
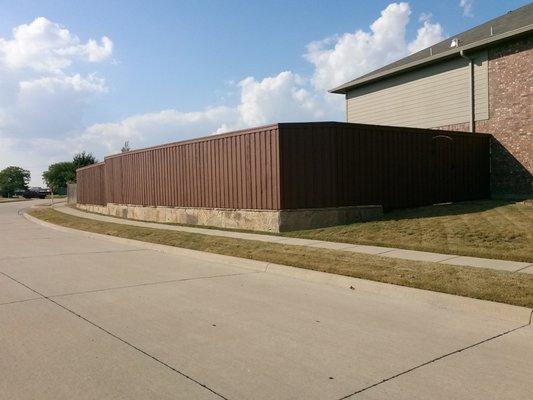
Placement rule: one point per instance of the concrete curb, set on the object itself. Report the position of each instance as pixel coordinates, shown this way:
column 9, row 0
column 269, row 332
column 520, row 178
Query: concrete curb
column 484, row 309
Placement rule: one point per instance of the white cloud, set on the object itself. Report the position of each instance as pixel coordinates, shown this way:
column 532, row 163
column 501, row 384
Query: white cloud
column 47, row 47
column 54, row 104
column 339, row 59
column 54, row 84
column 425, row 16
column 427, row 35
column 150, row 128
column 345, row 57
column 467, row 6
column 284, row 97
column 97, row 53
column 5, row 144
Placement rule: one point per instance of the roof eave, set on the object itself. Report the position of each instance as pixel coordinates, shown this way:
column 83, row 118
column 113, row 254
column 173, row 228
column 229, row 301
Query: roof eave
column 343, row 89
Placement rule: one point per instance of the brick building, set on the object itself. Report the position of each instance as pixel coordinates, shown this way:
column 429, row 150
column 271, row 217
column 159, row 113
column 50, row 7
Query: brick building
column 480, row 80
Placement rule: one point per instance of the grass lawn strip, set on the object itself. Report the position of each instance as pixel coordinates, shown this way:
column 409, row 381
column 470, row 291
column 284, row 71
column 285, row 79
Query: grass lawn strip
column 488, row 229
column 485, row 284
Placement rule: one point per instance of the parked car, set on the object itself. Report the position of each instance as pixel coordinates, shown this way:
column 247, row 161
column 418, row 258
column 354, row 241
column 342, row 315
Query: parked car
column 35, row 193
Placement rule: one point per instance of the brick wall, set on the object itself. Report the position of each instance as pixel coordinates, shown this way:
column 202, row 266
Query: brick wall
column 510, row 117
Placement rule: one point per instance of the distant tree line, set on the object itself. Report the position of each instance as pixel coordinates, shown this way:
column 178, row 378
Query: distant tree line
column 13, row 179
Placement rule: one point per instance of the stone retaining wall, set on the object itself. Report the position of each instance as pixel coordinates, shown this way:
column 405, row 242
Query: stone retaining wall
column 255, row 220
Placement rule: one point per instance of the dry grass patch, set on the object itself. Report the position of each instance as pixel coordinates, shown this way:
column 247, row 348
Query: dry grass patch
column 489, row 229
column 500, row 286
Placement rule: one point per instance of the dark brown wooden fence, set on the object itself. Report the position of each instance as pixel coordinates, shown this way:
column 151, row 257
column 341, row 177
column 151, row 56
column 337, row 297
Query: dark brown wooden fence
column 297, row 165
column 341, row 164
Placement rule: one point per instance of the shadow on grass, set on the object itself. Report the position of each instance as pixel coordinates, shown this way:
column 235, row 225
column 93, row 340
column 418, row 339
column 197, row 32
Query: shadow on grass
column 445, row 209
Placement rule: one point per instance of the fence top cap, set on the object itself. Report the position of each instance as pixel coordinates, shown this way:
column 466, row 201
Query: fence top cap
column 91, row 166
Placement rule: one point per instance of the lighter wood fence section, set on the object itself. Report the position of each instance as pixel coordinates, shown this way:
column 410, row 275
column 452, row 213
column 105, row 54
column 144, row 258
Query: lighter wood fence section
column 91, row 184
column 234, row 171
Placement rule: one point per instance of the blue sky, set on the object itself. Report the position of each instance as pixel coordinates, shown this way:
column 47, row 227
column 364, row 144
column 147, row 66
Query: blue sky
column 170, row 70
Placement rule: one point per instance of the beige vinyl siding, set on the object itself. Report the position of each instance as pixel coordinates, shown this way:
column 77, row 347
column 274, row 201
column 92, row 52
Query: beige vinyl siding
column 429, row 97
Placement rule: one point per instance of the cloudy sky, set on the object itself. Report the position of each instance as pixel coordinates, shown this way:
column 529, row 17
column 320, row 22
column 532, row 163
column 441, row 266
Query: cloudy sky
column 89, row 75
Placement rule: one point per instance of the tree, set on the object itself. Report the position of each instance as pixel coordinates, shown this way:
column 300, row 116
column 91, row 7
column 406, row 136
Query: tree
column 126, row 147
column 83, row 159
column 13, row 178
column 59, row 174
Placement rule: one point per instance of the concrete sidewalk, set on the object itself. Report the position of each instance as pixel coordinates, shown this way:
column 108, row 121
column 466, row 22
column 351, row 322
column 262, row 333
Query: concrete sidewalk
column 513, row 266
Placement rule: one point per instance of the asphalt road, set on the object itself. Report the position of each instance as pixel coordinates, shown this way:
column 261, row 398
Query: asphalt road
column 84, row 318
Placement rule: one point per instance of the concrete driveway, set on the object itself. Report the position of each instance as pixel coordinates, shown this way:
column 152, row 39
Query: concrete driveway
column 86, row 318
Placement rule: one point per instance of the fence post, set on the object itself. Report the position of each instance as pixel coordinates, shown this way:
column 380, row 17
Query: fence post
column 72, row 193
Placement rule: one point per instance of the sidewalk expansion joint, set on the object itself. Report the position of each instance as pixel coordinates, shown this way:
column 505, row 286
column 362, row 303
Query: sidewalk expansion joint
column 21, row 301
column 73, row 254
column 438, row 359
column 152, row 284
column 118, row 338
column 387, row 251
column 520, row 269
column 448, row 259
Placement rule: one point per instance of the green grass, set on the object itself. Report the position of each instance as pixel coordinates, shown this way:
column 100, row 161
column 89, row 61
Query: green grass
column 489, row 229
column 486, row 284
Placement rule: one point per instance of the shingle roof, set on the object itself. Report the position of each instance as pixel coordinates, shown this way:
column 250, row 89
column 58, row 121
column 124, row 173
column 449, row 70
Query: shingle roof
column 517, row 22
